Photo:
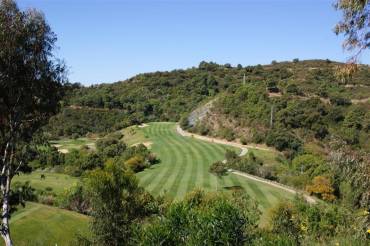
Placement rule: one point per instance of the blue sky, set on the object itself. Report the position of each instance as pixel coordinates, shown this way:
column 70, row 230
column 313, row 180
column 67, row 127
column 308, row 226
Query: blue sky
column 111, row 40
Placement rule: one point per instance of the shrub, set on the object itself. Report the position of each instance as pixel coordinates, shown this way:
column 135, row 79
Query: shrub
column 136, row 163
column 340, row 101
column 322, row 187
column 227, row 133
column 218, row 168
column 184, row 122
column 205, row 219
column 244, row 140
column 230, row 155
column 283, row 222
column 75, row 199
column 258, row 137
column 21, row 192
column 293, row 89
column 283, row 140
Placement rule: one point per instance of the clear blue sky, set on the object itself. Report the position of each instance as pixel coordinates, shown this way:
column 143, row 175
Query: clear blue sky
column 111, row 40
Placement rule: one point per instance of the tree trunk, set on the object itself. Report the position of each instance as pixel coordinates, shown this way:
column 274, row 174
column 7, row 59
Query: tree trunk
column 5, row 230
column 5, row 189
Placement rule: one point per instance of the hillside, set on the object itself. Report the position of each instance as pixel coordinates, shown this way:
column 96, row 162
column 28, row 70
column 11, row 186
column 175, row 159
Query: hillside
column 167, row 96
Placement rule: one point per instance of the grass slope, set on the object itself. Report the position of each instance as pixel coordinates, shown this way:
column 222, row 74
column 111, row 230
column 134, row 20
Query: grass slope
column 184, row 166
column 38, row 224
column 57, row 181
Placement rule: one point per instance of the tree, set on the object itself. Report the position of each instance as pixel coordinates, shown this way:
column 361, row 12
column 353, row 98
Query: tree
column 30, row 83
column 117, row 202
column 219, row 169
column 355, row 25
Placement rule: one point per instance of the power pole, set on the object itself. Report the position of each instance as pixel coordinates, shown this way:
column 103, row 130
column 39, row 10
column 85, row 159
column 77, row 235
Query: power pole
column 272, row 117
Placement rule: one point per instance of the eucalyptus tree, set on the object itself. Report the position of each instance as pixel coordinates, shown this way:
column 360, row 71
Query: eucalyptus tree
column 31, row 80
column 355, row 24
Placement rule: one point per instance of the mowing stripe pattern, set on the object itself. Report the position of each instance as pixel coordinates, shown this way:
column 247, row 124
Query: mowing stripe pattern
column 184, row 166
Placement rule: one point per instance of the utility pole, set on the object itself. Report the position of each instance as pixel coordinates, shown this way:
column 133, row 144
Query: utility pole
column 244, row 79
column 272, row 117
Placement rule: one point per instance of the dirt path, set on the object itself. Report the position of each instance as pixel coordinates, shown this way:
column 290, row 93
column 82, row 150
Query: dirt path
column 244, row 151
column 244, row 148
column 308, row 198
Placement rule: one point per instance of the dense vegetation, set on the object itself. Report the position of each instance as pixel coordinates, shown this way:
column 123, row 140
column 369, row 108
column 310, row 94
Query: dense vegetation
column 167, row 96
column 38, row 186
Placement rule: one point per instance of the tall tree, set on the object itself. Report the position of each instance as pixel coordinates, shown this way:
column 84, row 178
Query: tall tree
column 31, row 79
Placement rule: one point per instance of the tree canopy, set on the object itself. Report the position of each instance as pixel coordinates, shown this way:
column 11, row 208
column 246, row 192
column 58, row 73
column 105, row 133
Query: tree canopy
column 30, row 89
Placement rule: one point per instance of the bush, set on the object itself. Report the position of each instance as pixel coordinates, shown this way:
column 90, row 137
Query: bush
column 283, row 140
column 249, row 164
column 293, row 89
column 322, row 187
column 184, row 122
column 136, row 164
column 22, row 192
column 230, row 155
column 202, row 219
column 227, row 134
column 243, row 140
column 218, row 168
column 340, row 101
column 74, row 199
column 258, row 137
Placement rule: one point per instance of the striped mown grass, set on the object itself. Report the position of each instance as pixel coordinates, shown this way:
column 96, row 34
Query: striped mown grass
column 38, row 224
column 184, row 166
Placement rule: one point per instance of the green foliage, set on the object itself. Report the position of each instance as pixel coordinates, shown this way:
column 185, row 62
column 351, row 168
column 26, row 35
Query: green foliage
column 110, row 147
column 136, row 164
column 205, row 219
column 184, row 122
column 218, row 168
column 31, row 81
column 305, row 223
column 309, row 164
column 249, row 163
column 116, row 202
column 20, row 193
column 227, row 134
column 283, row 140
column 293, row 89
column 75, row 198
column 46, row 157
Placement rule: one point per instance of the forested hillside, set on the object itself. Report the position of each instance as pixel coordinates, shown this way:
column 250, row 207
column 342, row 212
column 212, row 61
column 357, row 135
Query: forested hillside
column 167, row 96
